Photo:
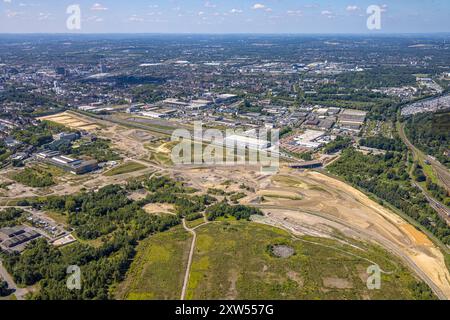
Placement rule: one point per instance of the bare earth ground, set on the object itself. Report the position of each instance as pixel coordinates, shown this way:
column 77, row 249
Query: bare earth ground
column 329, row 203
column 158, row 208
column 306, row 203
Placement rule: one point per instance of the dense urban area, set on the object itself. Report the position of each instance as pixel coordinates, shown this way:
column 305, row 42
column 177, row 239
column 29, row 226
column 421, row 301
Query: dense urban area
column 87, row 177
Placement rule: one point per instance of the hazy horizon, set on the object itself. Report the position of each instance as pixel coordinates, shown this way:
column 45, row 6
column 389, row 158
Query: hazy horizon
column 225, row 17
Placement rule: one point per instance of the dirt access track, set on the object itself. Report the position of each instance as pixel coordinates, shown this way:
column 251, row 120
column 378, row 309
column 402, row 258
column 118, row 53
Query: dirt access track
column 328, row 205
column 309, row 203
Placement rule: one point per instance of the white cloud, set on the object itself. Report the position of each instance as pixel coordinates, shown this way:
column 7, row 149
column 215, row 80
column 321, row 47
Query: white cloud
column 44, row 16
column 312, row 6
column 296, row 13
column 258, row 6
column 7, row 1
column 135, row 18
column 95, row 19
column 327, row 13
column 98, row 7
column 12, row 14
column 236, row 11
column 352, row 8
column 208, row 4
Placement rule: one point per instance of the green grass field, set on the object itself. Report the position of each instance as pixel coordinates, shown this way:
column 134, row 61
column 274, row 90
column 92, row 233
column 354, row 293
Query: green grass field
column 157, row 271
column 232, row 260
column 195, row 223
column 125, row 168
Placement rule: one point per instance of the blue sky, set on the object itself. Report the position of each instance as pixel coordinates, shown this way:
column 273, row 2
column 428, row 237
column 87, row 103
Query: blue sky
column 225, row 16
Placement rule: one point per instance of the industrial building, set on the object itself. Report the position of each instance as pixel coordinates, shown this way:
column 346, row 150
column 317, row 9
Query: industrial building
column 309, row 139
column 247, row 142
column 225, row 98
column 15, row 238
column 74, row 166
column 352, row 119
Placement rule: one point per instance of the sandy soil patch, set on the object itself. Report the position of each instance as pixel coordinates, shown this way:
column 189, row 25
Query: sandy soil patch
column 416, row 235
column 333, row 203
column 155, row 208
column 71, row 121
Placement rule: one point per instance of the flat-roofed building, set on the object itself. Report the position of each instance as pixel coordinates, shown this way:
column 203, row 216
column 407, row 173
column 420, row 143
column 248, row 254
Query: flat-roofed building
column 47, row 154
column 352, row 119
column 174, row 103
column 247, row 142
column 225, row 98
column 84, row 167
column 309, row 139
column 15, row 238
column 351, row 115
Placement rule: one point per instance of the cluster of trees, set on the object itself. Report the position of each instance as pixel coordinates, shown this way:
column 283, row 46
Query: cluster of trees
column 383, row 143
column 108, row 214
column 101, row 268
column 338, row 144
column 386, row 176
column 99, row 149
column 418, row 173
column 94, row 215
column 4, row 152
column 285, row 131
column 184, row 205
column 223, row 209
column 34, row 177
column 38, row 135
column 247, row 106
column 379, row 77
column 430, row 132
column 4, row 289
column 26, row 96
column 147, row 93
column 194, row 216
column 10, row 217
column 438, row 192
column 421, row 291
column 163, row 183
